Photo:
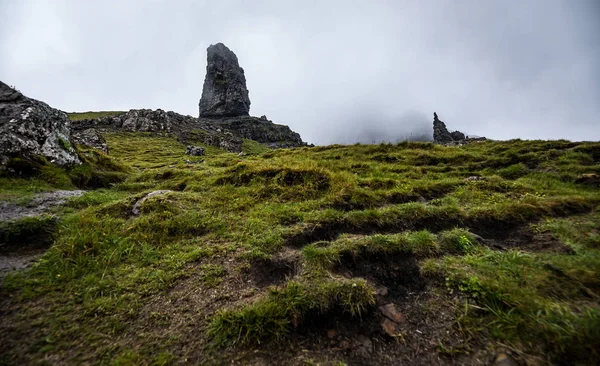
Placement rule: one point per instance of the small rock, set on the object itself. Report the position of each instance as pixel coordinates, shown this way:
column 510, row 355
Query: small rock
column 194, row 150
column 475, row 178
column 389, row 327
column 136, row 208
column 382, row 291
column 241, row 154
column 331, row 333
column 391, row 312
column 504, row 359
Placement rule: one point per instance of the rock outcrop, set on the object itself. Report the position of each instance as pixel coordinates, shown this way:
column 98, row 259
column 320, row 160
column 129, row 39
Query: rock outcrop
column 441, row 135
column 92, row 138
column 185, row 128
column 30, row 128
column 224, row 93
column 262, row 130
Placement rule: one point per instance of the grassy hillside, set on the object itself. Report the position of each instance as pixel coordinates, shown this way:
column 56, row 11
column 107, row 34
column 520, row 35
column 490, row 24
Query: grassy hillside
column 286, row 256
column 77, row 116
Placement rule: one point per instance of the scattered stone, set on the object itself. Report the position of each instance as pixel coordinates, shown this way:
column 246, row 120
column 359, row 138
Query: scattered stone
column 92, row 138
column 224, row 93
column 475, row 178
column 241, row 154
column 391, row 312
column 194, row 150
column 590, row 179
column 30, row 128
column 137, row 206
column 389, row 327
column 382, row 291
column 504, row 359
column 331, row 333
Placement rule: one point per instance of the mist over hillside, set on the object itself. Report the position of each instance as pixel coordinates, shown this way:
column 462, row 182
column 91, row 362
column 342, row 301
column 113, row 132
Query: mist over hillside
column 369, row 126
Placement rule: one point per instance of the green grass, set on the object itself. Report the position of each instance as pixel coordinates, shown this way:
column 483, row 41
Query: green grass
column 231, row 216
column 76, row 116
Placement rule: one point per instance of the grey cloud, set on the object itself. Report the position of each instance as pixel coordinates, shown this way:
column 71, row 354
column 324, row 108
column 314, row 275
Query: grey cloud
column 335, row 71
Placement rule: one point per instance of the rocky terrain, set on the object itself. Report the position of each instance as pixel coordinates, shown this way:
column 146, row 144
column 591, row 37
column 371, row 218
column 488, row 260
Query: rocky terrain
column 30, row 128
column 224, row 113
column 441, row 135
column 148, row 237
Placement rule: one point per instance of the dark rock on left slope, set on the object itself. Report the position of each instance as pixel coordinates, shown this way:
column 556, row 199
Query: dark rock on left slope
column 30, row 128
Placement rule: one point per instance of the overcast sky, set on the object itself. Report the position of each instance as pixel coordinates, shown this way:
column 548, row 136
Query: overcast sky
column 334, row 71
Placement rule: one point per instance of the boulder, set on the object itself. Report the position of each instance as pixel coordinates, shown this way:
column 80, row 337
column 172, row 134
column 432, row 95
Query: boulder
column 92, row 138
column 194, row 150
column 224, row 93
column 30, row 128
column 137, row 207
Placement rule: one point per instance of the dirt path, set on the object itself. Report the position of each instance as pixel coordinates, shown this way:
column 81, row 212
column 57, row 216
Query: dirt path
column 40, row 204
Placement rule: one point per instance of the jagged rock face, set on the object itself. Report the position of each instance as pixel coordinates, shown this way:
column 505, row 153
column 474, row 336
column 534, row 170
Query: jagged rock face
column 92, row 138
column 263, row 131
column 29, row 127
column 441, row 135
column 224, row 93
column 186, row 128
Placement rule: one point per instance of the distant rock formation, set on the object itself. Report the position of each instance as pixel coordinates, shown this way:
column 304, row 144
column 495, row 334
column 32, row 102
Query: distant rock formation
column 30, row 128
column 263, row 131
column 225, row 103
column 224, row 93
column 441, row 135
column 185, row 128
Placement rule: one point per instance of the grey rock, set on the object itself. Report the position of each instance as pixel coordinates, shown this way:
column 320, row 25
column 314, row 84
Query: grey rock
column 262, row 130
column 29, row 127
column 194, row 150
column 442, row 136
column 92, row 138
column 136, row 210
column 504, row 359
column 224, row 93
column 40, row 204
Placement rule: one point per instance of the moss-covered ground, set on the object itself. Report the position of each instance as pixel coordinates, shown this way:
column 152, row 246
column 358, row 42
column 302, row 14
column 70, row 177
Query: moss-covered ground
column 284, row 256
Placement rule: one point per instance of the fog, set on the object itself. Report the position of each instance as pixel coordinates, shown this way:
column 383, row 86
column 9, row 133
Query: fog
column 334, row 71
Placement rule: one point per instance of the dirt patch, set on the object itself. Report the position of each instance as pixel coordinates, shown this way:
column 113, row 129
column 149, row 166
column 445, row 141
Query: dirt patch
column 276, row 270
column 398, row 273
column 527, row 239
column 18, row 261
column 429, row 336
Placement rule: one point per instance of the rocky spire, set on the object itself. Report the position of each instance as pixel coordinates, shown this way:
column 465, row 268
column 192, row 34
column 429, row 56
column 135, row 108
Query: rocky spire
column 224, row 93
column 441, row 135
